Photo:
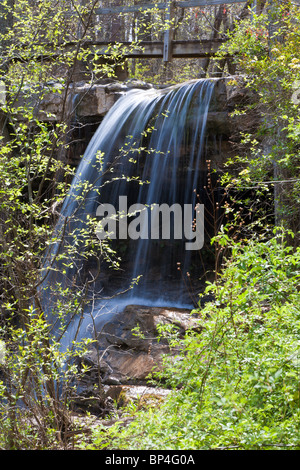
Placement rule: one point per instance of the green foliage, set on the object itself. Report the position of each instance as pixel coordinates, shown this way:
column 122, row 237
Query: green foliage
column 266, row 51
column 236, row 383
column 37, row 384
column 38, row 376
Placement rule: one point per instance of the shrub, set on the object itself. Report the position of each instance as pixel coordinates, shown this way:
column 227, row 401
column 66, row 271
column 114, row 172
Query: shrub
column 236, row 383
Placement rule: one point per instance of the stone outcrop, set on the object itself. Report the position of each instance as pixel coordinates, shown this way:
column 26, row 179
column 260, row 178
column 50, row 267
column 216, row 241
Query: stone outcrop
column 51, row 104
column 130, row 347
column 130, row 344
column 96, row 99
column 86, row 104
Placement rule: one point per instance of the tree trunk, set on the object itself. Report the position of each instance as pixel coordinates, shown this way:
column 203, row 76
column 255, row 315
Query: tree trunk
column 6, row 23
column 214, row 35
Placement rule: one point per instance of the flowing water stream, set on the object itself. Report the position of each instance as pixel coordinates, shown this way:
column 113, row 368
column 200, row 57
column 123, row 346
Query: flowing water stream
column 149, row 150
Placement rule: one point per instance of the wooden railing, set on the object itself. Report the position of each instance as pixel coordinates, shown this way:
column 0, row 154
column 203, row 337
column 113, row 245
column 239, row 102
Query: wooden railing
column 168, row 48
column 165, row 5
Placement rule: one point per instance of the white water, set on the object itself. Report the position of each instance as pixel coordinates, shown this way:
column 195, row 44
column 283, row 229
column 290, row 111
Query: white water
column 171, row 164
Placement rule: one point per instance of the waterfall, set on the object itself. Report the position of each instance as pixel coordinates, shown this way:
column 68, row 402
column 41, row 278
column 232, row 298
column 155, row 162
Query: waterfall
column 148, row 151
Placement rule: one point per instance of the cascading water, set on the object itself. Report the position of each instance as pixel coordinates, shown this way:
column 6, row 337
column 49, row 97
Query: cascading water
column 149, row 149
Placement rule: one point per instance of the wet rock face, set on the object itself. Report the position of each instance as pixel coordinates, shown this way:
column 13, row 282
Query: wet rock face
column 130, row 346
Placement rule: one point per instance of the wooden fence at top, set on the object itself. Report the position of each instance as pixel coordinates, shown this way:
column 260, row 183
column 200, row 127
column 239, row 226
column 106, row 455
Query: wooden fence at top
column 169, row 48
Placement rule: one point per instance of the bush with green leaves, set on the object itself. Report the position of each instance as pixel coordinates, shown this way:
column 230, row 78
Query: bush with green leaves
column 38, row 382
column 36, row 374
column 235, row 383
column 265, row 49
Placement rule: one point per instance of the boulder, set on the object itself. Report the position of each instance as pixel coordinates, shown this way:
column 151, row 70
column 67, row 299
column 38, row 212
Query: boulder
column 95, row 100
column 141, row 394
column 130, row 346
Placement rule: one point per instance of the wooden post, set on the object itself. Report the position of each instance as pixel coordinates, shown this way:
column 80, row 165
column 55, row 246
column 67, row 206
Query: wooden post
column 168, row 34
